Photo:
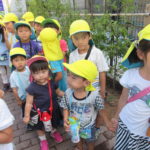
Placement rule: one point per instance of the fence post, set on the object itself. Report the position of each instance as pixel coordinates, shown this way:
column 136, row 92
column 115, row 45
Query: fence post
column 147, row 18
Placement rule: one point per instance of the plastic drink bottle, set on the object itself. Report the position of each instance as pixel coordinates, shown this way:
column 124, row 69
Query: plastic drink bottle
column 74, row 129
column 46, row 121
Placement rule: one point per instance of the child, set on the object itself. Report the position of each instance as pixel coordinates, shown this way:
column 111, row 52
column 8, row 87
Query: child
column 42, row 98
column 53, row 23
column 25, row 35
column 29, row 17
column 6, row 122
column 83, row 102
column 38, row 25
column 10, row 19
column 19, row 79
column 53, row 52
column 4, row 59
column 38, row 28
column 81, row 37
column 85, row 49
column 133, row 109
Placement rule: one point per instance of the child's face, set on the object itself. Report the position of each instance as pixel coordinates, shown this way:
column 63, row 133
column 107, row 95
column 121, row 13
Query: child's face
column 76, row 82
column 19, row 62
column 38, row 28
column 9, row 26
column 41, row 76
column 32, row 23
column 24, row 33
column 81, row 41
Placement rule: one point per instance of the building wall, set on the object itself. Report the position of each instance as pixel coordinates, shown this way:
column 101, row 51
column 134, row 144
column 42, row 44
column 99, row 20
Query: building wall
column 16, row 6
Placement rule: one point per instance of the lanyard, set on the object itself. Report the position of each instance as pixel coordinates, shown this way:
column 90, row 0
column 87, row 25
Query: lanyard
column 31, row 54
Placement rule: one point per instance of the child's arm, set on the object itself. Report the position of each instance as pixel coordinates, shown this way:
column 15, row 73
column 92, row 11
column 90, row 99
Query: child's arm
column 66, row 121
column 8, row 45
column 122, row 102
column 59, row 92
column 28, row 107
column 102, row 76
column 108, row 123
column 15, row 91
column 58, row 76
column 6, row 135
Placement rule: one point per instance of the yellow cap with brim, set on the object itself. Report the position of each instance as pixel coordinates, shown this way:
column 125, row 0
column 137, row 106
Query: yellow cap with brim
column 2, row 24
column 39, row 19
column 126, row 62
column 49, row 20
column 10, row 17
column 84, row 68
column 144, row 32
column 17, row 51
column 28, row 16
column 79, row 26
column 24, row 23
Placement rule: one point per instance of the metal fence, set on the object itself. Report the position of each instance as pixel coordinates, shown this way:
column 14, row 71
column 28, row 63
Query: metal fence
column 134, row 20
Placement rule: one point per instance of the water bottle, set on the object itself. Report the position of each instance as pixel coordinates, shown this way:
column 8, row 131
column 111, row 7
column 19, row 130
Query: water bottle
column 46, row 121
column 74, row 129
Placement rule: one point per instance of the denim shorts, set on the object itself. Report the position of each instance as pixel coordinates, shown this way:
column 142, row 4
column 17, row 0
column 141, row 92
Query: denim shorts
column 94, row 133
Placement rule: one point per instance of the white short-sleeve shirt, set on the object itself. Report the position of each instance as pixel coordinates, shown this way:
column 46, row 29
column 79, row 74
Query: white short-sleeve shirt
column 96, row 56
column 6, row 120
column 136, row 114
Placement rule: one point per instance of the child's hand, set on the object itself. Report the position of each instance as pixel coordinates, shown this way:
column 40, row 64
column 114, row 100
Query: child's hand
column 114, row 123
column 1, row 93
column 66, row 125
column 26, row 119
column 19, row 102
column 110, row 126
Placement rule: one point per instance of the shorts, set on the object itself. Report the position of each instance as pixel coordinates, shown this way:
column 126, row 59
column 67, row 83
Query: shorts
column 56, row 66
column 94, row 134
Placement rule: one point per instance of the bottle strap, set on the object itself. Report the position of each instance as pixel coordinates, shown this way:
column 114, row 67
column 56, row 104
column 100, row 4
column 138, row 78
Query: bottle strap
column 139, row 95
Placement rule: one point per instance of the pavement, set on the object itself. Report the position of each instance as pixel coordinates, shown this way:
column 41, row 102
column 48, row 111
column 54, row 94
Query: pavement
column 28, row 140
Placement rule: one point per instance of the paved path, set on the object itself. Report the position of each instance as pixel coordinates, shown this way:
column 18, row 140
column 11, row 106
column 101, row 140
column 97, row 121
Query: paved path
column 29, row 141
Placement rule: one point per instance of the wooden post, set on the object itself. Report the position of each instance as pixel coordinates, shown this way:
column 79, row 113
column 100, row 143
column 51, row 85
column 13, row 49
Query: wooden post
column 147, row 18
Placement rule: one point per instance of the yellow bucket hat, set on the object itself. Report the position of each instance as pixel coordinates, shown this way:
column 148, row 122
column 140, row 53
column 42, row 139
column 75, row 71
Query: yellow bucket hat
column 84, row 68
column 126, row 62
column 10, row 17
column 39, row 19
column 51, row 44
column 17, row 51
column 144, row 33
column 28, row 16
column 79, row 26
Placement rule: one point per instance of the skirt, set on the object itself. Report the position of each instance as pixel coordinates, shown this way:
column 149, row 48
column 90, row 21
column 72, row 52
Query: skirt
column 126, row 140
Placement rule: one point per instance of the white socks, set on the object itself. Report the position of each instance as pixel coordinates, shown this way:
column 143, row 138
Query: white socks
column 42, row 138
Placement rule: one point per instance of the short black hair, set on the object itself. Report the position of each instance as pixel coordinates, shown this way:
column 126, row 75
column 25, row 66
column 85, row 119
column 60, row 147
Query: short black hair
column 14, row 56
column 23, row 25
column 133, row 58
column 39, row 65
column 144, row 46
column 51, row 25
